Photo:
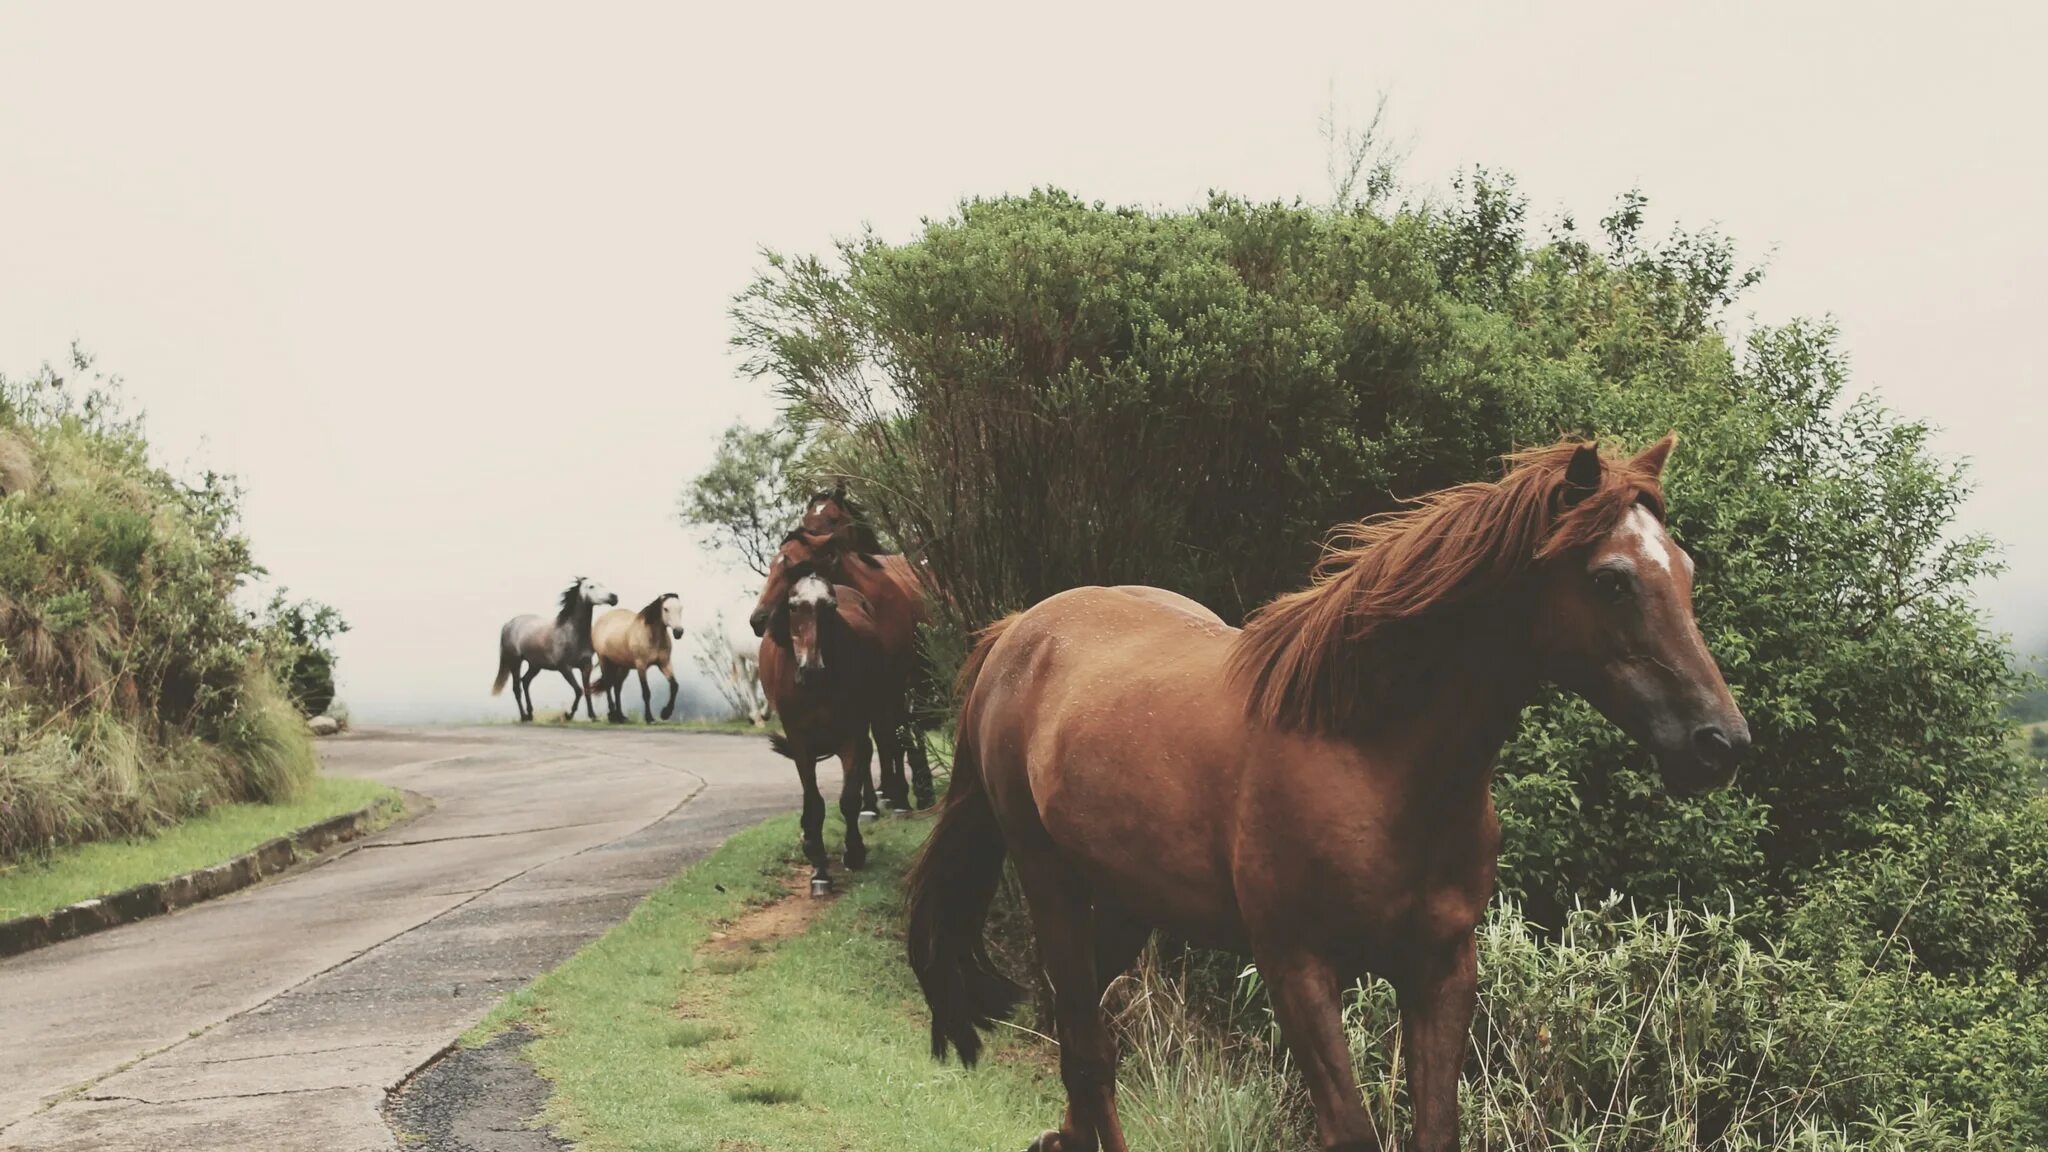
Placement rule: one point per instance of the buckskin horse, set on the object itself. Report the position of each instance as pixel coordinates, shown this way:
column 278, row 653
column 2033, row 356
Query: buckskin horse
column 834, row 539
column 627, row 641
column 1313, row 789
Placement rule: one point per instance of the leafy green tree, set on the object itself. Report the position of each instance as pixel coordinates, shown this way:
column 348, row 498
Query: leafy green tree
column 747, row 499
column 1043, row 392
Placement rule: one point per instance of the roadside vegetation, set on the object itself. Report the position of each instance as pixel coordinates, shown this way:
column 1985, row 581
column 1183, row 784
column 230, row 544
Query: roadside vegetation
column 1038, row 392
column 731, row 1011
column 660, row 1035
column 85, row 871
column 134, row 691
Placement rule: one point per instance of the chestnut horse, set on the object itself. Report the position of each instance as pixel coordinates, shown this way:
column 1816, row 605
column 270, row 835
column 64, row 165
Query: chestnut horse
column 834, row 540
column 1313, row 789
column 820, row 665
column 636, row 641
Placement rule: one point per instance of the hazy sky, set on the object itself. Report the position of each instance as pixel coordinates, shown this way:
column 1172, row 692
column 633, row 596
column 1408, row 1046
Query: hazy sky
column 447, row 285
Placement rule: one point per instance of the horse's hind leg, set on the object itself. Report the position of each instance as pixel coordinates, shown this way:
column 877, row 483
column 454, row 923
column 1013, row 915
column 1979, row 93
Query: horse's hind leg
column 646, row 698
column 920, row 761
column 1064, row 921
column 855, row 759
column 894, row 791
column 526, row 688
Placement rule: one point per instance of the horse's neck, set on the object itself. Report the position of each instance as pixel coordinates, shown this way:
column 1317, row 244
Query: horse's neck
column 1464, row 703
column 579, row 626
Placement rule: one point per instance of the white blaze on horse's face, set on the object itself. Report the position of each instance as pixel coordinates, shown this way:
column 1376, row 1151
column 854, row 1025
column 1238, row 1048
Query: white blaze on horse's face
column 672, row 615
column 809, row 599
column 595, row 593
column 1646, row 540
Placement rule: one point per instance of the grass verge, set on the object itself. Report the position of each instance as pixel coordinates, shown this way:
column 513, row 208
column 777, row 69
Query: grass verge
column 660, row 1036
column 32, row 887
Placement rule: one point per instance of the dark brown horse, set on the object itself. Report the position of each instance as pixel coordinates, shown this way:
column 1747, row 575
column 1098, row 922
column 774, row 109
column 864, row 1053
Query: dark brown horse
column 836, row 541
column 1313, row 789
column 820, row 664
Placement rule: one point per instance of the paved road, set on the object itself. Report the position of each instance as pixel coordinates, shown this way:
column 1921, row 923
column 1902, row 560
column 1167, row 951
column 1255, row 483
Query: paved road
column 277, row 1018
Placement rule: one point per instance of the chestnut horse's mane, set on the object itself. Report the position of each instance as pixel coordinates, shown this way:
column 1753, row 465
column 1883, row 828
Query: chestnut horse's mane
column 1323, row 659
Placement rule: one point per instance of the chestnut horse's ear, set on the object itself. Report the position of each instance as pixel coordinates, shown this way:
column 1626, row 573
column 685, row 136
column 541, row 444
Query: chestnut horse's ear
column 1651, row 459
column 1582, row 475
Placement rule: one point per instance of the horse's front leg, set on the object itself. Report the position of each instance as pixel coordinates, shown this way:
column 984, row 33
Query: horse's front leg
column 646, row 698
column 1437, row 1000
column 856, row 755
column 668, row 710
column 589, row 705
column 814, row 815
column 1308, row 1000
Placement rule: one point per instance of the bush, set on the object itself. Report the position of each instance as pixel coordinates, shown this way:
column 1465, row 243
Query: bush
column 1624, row 1030
column 300, row 637
column 132, row 691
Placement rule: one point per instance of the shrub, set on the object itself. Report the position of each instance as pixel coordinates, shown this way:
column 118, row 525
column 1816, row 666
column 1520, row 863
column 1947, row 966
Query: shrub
column 133, row 692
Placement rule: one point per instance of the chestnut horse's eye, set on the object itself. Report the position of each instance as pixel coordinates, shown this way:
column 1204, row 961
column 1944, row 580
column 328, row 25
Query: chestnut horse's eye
column 1613, row 584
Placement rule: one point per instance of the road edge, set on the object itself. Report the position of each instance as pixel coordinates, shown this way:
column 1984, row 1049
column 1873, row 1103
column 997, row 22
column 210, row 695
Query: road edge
column 279, row 854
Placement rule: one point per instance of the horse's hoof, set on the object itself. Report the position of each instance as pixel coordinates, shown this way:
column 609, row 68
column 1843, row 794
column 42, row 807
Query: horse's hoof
column 857, row 858
column 1048, row 1141
column 867, row 818
column 821, row 886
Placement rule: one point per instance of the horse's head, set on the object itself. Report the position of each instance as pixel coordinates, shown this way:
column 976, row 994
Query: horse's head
column 594, row 594
column 801, row 552
column 811, row 605
column 1615, row 625
column 835, row 514
column 672, row 614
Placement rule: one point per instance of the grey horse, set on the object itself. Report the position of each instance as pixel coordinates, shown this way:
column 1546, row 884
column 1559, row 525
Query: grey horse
column 562, row 644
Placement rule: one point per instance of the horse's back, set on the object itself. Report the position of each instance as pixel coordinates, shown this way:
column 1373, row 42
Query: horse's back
column 514, row 634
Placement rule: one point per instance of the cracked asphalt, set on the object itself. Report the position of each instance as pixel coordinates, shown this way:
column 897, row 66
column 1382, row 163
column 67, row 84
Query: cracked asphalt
column 279, row 1018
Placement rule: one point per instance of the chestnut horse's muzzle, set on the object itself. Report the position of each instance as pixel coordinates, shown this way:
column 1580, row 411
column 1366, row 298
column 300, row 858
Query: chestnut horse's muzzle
column 759, row 622
column 1714, row 752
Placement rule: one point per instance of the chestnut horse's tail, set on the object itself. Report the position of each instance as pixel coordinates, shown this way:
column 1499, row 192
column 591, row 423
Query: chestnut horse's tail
column 950, row 888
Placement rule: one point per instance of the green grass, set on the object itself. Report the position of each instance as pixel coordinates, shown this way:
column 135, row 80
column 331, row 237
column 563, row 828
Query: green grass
column 816, row 1042
column 104, row 867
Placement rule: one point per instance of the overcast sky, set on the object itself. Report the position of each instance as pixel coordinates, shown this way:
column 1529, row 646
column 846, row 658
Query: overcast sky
column 446, row 285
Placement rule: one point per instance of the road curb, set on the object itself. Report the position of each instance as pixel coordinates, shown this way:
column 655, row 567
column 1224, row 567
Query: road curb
column 157, row 897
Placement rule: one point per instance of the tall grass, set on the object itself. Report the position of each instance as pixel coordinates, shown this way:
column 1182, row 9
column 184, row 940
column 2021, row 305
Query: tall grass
column 1627, row 1031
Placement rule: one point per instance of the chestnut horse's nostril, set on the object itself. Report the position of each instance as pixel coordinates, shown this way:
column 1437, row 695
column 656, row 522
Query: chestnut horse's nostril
column 1713, row 745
